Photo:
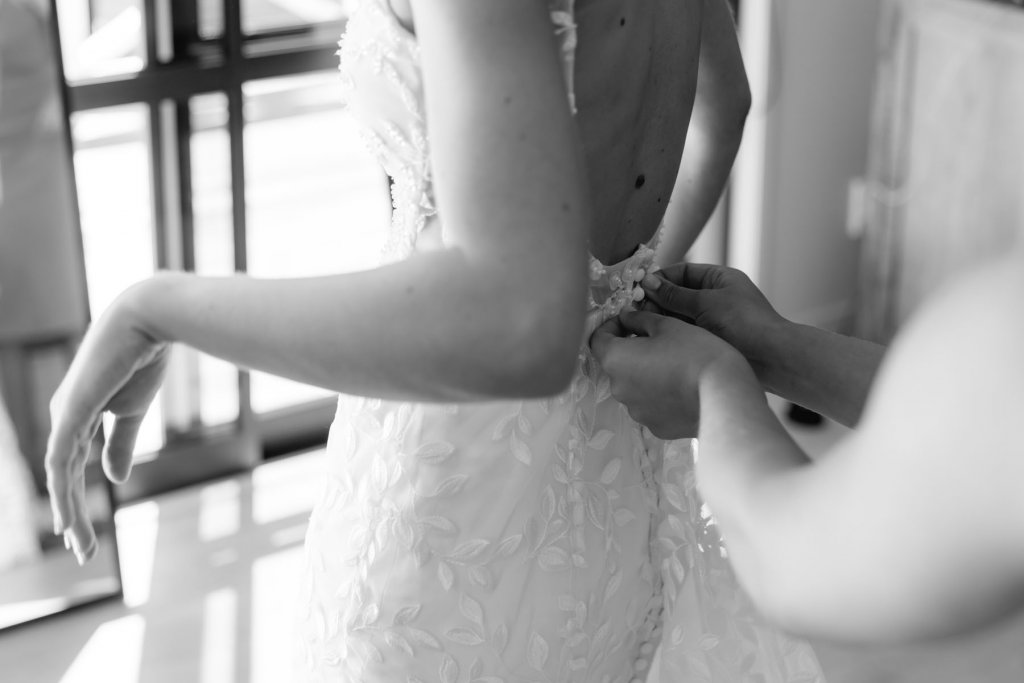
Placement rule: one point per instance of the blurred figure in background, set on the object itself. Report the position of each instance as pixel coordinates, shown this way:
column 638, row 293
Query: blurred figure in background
column 17, row 495
column 20, row 20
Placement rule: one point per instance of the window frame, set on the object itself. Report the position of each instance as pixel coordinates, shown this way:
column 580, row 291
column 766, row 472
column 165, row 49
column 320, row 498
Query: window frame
column 180, row 65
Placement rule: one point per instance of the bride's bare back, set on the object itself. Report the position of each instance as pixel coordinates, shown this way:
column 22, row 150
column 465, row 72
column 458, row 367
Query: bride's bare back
column 635, row 82
column 636, row 76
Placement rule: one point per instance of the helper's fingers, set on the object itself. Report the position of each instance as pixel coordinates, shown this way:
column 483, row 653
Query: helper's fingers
column 692, row 275
column 676, row 300
column 117, row 455
column 641, row 323
column 604, row 336
column 651, row 307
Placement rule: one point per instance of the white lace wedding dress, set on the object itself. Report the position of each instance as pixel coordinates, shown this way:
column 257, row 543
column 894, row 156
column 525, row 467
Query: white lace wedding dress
column 549, row 541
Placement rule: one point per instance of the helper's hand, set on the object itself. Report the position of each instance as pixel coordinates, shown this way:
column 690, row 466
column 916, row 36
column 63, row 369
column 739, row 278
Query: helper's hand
column 719, row 299
column 118, row 369
column 656, row 374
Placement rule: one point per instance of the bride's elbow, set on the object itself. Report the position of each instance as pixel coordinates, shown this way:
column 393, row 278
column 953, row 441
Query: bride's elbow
column 546, row 375
column 522, row 335
column 542, row 352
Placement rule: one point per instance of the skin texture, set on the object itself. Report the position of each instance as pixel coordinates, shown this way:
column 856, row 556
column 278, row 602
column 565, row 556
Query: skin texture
column 712, row 140
column 495, row 310
column 909, row 528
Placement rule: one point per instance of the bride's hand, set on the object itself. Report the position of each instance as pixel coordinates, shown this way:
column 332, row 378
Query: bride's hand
column 118, row 369
column 656, row 373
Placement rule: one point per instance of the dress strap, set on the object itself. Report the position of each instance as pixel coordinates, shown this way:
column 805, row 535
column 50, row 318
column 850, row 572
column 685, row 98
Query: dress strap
column 564, row 18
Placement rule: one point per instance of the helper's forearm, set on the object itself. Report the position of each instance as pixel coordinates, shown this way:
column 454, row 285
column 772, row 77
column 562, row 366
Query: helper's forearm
column 823, row 371
column 746, row 458
column 856, row 546
column 434, row 327
column 794, row 538
column 739, row 432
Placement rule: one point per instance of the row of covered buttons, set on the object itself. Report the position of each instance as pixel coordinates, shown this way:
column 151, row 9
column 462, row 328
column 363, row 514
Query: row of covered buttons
column 642, row 663
column 653, row 623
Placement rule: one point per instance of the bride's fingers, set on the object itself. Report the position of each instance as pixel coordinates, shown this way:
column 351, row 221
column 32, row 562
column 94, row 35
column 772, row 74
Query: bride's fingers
column 83, row 536
column 94, row 429
column 120, row 447
column 59, row 453
column 67, row 451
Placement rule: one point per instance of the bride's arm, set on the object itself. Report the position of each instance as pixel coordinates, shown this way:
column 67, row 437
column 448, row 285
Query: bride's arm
column 429, row 328
column 714, row 134
column 497, row 313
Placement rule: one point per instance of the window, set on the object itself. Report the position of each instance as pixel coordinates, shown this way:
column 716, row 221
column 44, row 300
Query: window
column 210, row 137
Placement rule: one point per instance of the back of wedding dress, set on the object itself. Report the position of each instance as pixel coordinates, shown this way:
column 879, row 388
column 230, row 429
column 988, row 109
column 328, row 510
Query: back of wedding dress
column 550, row 540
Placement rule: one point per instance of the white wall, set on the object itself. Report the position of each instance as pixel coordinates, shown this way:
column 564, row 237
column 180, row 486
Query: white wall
column 811, row 64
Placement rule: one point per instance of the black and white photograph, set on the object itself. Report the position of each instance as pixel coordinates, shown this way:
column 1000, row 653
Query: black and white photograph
column 511, row 341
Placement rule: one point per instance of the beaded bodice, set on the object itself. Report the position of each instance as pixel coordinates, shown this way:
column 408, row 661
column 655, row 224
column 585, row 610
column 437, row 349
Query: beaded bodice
column 384, row 92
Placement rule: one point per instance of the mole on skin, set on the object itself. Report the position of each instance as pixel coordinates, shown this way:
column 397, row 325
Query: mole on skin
column 640, row 180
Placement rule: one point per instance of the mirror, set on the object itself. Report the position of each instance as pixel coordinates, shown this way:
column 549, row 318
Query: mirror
column 43, row 312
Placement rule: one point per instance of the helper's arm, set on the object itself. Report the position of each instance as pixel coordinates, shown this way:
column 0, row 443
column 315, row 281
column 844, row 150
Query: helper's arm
column 827, row 372
column 910, row 528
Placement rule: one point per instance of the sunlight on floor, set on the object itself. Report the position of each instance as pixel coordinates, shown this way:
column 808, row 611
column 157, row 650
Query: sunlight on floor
column 273, row 603
column 220, row 612
column 220, row 511
column 281, row 490
column 136, row 542
column 115, row 649
column 210, row 575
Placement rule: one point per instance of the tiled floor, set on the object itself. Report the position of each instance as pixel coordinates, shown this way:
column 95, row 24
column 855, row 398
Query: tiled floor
column 209, row 578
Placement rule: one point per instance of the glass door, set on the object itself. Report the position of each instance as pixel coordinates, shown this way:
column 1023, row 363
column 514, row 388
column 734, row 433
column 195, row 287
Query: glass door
column 210, row 137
